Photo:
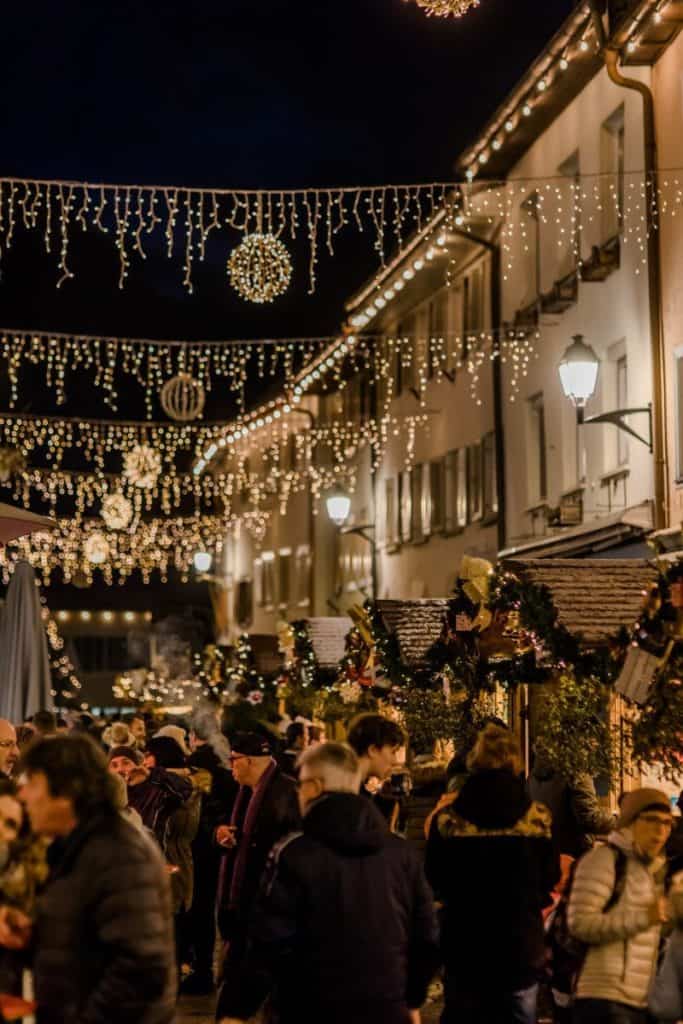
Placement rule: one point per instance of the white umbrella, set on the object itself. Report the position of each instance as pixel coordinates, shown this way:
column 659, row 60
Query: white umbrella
column 25, row 680
column 17, row 522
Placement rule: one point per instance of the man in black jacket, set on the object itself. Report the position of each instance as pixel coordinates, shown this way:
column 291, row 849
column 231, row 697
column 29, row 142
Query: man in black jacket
column 265, row 809
column 344, row 928
column 101, row 944
column 577, row 813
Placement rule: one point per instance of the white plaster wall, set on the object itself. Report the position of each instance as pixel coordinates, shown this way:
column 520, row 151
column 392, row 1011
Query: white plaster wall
column 607, row 314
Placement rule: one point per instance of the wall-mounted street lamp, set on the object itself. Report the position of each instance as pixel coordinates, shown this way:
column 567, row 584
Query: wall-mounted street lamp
column 202, row 561
column 338, row 509
column 579, row 370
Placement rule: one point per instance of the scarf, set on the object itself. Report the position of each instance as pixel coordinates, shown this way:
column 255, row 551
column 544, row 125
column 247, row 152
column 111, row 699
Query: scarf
column 247, row 804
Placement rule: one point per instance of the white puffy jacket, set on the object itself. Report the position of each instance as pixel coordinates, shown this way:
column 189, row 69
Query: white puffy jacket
column 623, row 945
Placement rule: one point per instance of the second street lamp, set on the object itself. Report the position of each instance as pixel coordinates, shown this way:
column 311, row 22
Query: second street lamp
column 338, row 509
column 578, row 371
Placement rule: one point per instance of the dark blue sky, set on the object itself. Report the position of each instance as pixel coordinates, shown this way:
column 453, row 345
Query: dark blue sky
column 238, row 93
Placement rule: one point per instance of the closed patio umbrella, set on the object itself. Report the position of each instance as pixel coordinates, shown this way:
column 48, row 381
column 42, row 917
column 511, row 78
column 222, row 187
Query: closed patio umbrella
column 25, row 680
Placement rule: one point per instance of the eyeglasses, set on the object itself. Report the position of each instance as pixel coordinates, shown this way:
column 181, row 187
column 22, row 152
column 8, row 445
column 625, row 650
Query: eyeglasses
column 655, row 819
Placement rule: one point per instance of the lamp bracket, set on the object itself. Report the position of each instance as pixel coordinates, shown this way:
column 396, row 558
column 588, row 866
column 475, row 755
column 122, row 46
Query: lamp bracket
column 616, row 418
column 360, row 531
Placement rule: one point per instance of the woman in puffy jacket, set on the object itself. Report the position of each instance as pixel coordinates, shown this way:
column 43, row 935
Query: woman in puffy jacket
column 618, row 913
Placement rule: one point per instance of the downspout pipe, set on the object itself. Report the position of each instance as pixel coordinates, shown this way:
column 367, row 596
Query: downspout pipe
column 610, row 54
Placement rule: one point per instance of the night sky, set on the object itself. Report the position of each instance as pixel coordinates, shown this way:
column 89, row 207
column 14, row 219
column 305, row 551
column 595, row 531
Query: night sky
column 241, row 93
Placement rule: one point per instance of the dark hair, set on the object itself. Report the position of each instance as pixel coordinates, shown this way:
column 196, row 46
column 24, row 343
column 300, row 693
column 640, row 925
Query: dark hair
column 295, row 731
column 9, row 788
column 76, row 768
column 25, row 734
column 45, row 722
column 166, row 752
column 62, row 723
column 371, row 730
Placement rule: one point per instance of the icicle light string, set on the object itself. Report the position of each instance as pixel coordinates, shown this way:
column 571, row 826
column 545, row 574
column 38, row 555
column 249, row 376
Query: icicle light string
column 388, row 215
column 129, row 214
column 151, row 364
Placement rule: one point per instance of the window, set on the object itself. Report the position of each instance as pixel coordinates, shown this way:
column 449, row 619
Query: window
column 244, row 599
column 416, row 520
column 612, row 176
column 438, row 316
column 570, row 251
column 529, row 228
column 406, row 505
column 264, row 571
column 488, row 447
column 537, row 465
column 392, row 525
column 455, row 490
column 284, row 583
column 621, row 370
column 303, row 574
column 474, row 482
column 433, row 510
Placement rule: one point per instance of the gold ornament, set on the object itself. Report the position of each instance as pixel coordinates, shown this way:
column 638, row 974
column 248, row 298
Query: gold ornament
column 117, row 511
column 260, row 268
column 142, row 466
column 447, row 8
column 96, row 548
column 183, row 397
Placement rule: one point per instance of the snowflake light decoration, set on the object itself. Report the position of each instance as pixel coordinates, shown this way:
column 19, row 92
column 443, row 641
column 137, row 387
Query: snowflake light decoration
column 142, row 466
column 447, row 8
column 117, row 511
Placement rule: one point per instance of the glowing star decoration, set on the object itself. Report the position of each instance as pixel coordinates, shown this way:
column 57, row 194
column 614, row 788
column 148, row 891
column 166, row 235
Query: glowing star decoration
column 142, row 466
column 96, row 548
column 260, row 268
column 447, row 8
column 117, row 511
column 182, row 398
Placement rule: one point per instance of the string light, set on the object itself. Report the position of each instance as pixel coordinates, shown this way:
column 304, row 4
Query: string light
column 126, row 214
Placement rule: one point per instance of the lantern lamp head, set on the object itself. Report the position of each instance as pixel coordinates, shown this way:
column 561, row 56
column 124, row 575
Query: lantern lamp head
column 202, row 561
column 338, row 508
column 579, row 371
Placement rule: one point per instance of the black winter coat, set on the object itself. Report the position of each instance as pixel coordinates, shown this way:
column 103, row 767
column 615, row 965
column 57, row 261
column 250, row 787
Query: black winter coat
column 103, row 935
column 217, row 804
column 344, row 928
column 491, row 860
column 577, row 813
column 278, row 815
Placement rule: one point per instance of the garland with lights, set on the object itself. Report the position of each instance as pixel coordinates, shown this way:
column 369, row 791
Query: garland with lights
column 447, row 8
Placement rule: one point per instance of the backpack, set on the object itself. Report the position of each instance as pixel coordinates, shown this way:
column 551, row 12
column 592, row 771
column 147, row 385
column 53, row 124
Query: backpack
column 568, row 952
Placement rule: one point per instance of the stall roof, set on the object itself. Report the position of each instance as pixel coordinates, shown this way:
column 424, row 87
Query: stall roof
column 594, row 597
column 417, row 625
column 328, row 638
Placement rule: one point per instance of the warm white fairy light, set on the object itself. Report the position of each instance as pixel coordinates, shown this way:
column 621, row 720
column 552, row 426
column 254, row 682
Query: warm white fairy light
column 447, row 8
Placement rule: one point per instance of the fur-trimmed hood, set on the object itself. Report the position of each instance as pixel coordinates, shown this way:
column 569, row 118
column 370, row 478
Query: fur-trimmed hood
column 494, row 803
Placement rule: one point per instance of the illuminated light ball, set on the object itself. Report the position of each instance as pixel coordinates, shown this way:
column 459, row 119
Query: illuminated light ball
column 260, row 268
column 182, row 398
column 117, row 511
column 447, row 8
column 142, row 466
column 96, row 548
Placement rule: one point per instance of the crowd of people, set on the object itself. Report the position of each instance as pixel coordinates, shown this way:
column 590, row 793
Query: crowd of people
column 143, row 857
